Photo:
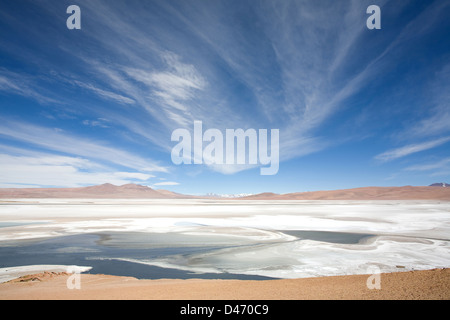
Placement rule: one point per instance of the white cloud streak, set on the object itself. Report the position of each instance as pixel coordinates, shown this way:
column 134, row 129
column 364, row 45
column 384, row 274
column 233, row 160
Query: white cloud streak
column 166, row 183
column 62, row 142
column 23, row 85
column 410, row 149
column 442, row 164
column 60, row 171
column 108, row 95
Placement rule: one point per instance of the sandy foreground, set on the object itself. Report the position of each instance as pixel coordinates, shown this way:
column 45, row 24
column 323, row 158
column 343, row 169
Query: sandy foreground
column 418, row 285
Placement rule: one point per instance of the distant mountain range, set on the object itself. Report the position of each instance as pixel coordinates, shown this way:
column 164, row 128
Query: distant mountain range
column 366, row 193
column 107, row 191
column 436, row 191
column 440, row 184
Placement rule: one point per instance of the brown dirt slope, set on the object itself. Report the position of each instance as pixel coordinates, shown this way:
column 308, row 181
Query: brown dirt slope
column 367, row 193
column 413, row 285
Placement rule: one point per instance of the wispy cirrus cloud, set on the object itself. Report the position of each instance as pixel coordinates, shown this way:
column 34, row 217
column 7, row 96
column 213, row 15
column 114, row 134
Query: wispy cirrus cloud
column 437, row 115
column 23, row 167
column 166, row 183
column 172, row 88
column 26, row 86
column 295, row 82
column 60, row 171
column 58, row 141
column 410, row 149
column 100, row 122
column 105, row 94
column 439, row 165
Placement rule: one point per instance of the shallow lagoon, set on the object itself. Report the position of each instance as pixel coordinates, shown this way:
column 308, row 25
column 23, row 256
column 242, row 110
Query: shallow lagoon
column 88, row 249
column 226, row 239
column 125, row 253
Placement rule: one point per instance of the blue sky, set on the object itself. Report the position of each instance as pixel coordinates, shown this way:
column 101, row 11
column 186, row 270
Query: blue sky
column 355, row 107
